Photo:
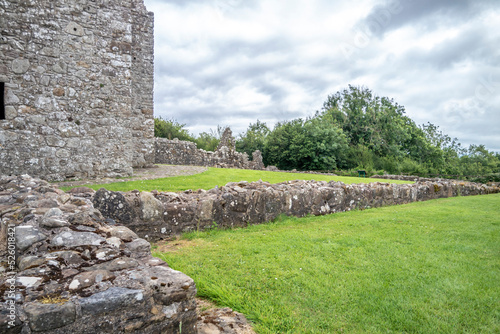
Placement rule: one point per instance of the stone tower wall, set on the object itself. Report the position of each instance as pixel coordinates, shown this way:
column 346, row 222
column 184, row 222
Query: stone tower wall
column 78, row 96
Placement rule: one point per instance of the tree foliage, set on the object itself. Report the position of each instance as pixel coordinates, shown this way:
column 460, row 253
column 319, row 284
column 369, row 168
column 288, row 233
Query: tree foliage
column 305, row 145
column 253, row 139
column 170, row 129
column 355, row 129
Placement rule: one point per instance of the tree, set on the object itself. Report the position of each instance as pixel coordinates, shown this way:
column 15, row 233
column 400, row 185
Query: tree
column 207, row 141
column 368, row 120
column 305, row 145
column 253, row 139
column 170, row 128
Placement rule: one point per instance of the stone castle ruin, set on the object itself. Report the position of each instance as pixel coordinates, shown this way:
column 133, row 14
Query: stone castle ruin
column 76, row 88
column 76, row 101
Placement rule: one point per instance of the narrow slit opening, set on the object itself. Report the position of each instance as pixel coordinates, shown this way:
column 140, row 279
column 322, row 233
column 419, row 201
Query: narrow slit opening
column 2, row 100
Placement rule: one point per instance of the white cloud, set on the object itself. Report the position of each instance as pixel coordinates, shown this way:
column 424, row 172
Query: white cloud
column 231, row 62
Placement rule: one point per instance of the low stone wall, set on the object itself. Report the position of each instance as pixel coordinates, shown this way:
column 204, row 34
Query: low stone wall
column 410, row 178
column 396, row 177
column 66, row 269
column 155, row 216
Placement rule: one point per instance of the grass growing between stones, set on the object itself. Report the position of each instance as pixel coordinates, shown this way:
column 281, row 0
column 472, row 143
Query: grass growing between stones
column 427, row 267
column 220, row 177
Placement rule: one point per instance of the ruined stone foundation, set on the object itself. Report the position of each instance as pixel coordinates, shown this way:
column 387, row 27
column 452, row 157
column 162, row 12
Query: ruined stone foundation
column 65, row 269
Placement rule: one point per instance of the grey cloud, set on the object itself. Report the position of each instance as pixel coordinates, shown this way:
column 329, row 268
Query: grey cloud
column 425, row 81
column 428, row 14
column 469, row 46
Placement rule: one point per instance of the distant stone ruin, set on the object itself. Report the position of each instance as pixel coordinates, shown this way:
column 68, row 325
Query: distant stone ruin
column 76, row 88
column 178, row 152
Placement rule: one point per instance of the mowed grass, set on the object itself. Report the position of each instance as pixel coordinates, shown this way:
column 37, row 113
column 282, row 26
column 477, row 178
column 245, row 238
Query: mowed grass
column 427, row 267
column 220, row 177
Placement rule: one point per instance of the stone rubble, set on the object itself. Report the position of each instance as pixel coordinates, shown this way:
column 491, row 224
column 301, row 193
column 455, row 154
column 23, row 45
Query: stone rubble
column 76, row 272
column 223, row 321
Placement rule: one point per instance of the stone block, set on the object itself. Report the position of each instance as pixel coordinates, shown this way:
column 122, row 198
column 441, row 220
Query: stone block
column 75, row 239
column 45, row 317
column 27, row 235
column 111, row 300
column 20, row 65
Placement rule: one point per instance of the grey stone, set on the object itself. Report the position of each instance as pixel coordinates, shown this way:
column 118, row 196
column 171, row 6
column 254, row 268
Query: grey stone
column 106, row 254
column 54, row 212
column 20, row 65
column 115, row 265
column 27, row 262
column 89, row 278
column 11, row 98
column 53, row 222
column 7, row 318
column 178, row 152
column 50, row 52
column 111, row 300
column 152, row 208
column 85, row 218
column 27, row 235
column 114, row 241
column 139, row 248
column 60, row 67
column 113, row 205
column 122, row 232
column 74, row 239
column 10, row 112
column 69, row 258
column 29, row 281
column 75, row 29
column 45, row 317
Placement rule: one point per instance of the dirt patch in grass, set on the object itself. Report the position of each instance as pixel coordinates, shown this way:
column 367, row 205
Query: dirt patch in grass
column 175, row 245
column 213, row 320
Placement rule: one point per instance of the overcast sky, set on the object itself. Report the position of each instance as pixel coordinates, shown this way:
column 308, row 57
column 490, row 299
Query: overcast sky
column 231, row 62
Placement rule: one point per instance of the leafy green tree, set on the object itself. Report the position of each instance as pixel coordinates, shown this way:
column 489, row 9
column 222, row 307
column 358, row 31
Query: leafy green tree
column 480, row 161
column 368, row 120
column 170, row 128
column 305, row 145
column 207, row 141
column 253, row 139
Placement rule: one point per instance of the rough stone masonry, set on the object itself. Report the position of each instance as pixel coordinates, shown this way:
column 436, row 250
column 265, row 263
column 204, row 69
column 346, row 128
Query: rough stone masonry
column 77, row 79
column 179, row 152
column 75, row 272
column 163, row 215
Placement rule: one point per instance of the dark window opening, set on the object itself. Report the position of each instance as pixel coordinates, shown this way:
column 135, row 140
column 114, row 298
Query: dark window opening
column 2, row 104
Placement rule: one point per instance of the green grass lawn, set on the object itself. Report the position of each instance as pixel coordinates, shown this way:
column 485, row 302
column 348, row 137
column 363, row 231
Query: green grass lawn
column 426, row 267
column 220, row 177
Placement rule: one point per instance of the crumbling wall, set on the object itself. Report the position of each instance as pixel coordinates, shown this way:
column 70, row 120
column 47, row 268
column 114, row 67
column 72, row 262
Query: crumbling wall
column 78, row 91
column 178, row 152
column 156, row 216
column 66, row 269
